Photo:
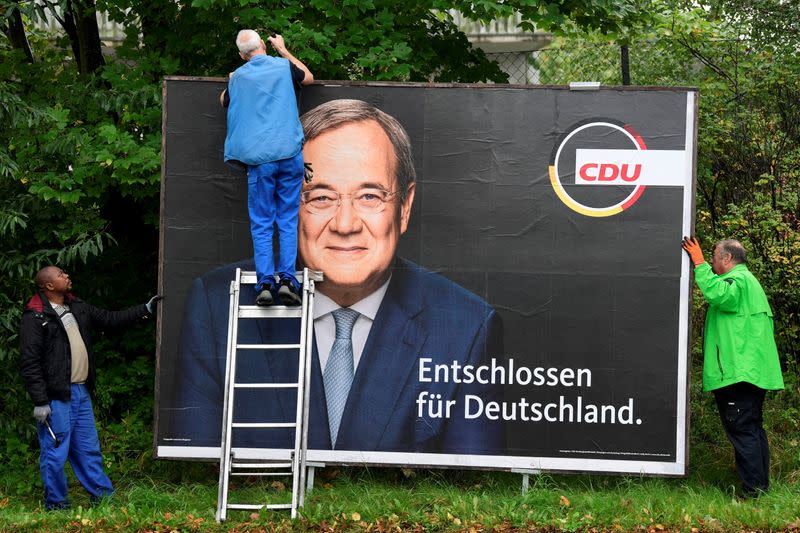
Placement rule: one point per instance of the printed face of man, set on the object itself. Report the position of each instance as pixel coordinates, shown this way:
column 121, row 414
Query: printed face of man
column 353, row 248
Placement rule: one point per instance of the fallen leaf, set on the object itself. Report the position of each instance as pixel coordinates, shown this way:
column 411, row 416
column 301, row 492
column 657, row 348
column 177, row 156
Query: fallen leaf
column 168, row 516
column 563, row 501
column 330, row 473
column 356, row 517
column 504, row 526
column 253, row 516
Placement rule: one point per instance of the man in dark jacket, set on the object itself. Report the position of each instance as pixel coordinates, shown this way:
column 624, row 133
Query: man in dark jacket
column 58, row 367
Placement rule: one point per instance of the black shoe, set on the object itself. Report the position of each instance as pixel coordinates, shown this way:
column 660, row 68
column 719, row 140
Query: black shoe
column 60, row 506
column 743, row 494
column 95, row 501
column 288, row 293
column 265, row 298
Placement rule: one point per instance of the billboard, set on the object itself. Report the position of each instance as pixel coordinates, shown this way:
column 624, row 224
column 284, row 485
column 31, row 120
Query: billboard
column 522, row 301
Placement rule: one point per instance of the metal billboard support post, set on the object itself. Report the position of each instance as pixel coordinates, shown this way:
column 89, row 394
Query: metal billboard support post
column 525, row 476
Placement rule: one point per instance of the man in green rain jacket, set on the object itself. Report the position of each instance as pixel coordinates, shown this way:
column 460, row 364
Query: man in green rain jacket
column 740, row 357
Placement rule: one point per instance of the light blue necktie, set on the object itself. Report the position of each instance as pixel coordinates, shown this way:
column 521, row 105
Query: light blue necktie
column 338, row 375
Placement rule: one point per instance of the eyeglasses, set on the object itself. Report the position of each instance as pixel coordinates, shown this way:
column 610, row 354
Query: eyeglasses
column 364, row 201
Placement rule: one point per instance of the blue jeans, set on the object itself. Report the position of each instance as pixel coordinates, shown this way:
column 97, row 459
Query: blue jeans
column 273, row 198
column 73, row 424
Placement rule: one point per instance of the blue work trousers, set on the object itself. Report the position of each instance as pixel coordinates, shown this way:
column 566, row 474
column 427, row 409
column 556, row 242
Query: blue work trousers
column 273, row 198
column 73, row 423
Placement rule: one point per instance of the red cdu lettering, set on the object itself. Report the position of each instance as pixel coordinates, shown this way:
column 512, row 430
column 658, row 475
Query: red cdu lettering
column 637, row 170
column 608, row 172
column 584, row 172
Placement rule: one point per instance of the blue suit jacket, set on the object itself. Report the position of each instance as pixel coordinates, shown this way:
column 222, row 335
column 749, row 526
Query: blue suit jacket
column 422, row 315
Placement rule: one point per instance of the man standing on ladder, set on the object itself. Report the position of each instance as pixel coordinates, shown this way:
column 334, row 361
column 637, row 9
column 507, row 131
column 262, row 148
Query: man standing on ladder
column 265, row 136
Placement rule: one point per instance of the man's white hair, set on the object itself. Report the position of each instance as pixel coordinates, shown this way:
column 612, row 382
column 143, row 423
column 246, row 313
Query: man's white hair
column 248, row 41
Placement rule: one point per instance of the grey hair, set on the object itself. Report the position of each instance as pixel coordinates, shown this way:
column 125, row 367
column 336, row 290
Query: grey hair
column 734, row 248
column 336, row 113
column 248, row 41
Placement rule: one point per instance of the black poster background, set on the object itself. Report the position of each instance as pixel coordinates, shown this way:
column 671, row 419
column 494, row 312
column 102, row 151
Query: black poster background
column 573, row 291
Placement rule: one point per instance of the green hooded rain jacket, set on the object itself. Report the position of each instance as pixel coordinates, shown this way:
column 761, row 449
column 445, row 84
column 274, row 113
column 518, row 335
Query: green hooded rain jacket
column 739, row 338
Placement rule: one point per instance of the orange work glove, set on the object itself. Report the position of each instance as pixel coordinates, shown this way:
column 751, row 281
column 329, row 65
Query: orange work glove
column 692, row 247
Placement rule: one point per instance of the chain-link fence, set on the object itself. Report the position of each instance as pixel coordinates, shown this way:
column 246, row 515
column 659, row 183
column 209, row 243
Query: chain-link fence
column 663, row 62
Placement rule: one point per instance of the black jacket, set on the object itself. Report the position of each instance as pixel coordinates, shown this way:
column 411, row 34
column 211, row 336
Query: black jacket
column 45, row 356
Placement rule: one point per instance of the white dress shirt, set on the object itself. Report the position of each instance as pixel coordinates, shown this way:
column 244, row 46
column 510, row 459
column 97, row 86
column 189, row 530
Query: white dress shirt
column 325, row 327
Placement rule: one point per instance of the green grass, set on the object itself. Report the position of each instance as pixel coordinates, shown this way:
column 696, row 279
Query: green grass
column 179, row 496
column 361, row 499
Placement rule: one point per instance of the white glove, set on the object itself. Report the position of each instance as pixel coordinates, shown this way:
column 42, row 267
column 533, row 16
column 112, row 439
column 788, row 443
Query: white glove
column 41, row 413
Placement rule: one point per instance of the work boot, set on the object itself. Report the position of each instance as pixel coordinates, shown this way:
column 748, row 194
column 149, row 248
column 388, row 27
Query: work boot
column 265, row 297
column 59, row 506
column 289, row 293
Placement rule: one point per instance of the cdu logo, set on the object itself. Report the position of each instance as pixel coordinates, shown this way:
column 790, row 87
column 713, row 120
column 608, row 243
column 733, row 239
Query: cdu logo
column 601, row 167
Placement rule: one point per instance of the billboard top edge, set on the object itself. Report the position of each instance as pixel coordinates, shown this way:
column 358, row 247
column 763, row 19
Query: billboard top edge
column 350, row 83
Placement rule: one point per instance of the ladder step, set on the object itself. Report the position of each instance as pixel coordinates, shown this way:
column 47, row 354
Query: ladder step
column 276, row 311
column 249, row 277
column 261, row 465
column 262, row 474
column 267, row 346
column 266, row 385
column 248, row 507
column 263, row 425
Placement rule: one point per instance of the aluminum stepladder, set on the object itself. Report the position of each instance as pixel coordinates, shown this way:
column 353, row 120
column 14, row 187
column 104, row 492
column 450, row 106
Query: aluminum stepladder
column 294, row 464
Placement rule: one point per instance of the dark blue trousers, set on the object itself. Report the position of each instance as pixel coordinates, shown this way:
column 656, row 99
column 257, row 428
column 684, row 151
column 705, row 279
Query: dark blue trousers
column 741, row 408
column 73, row 423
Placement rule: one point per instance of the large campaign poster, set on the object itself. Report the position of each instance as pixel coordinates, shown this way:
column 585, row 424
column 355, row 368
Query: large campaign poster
column 521, row 293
